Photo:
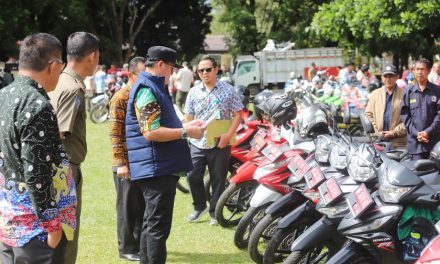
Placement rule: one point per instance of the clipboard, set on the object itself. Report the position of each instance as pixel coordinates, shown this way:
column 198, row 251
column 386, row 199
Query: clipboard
column 215, row 128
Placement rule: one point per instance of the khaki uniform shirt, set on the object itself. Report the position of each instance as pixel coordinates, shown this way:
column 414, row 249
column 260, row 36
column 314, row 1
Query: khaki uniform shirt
column 375, row 112
column 68, row 101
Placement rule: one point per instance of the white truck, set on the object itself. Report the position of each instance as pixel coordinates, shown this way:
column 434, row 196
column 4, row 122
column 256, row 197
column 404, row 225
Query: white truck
column 272, row 69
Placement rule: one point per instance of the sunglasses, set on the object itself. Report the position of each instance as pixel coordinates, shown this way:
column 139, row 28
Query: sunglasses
column 207, row 70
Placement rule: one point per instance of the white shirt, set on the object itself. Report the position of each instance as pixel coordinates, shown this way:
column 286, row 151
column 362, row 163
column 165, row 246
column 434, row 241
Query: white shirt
column 185, row 78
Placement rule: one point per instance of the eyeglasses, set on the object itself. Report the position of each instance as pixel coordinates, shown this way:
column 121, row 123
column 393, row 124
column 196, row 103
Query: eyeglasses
column 57, row 60
column 207, row 70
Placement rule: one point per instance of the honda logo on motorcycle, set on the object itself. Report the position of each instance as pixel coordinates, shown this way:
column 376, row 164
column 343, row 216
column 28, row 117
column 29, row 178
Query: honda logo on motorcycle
column 287, row 104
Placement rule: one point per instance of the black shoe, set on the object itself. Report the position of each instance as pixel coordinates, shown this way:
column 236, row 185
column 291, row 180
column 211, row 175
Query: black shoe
column 131, row 257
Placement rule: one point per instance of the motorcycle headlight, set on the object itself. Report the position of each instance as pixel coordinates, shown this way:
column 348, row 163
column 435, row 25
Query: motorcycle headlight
column 390, row 193
column 333, row 211
column 359, row 169
column 268, row 168
column 322, row 148
column 338, row 158
column 374, row 225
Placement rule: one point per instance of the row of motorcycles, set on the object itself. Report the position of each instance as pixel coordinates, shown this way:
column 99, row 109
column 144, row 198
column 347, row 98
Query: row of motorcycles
column 306, row 191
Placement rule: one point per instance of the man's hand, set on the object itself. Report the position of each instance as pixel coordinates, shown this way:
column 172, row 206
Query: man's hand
column 196, row 122
column 423, row 137
column 224, row 141
column 54, row 238
column 195, row 131
column 387, row 135
column 123, row 172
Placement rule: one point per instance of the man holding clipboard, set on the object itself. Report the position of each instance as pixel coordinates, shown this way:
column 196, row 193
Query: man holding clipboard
column 215, row 103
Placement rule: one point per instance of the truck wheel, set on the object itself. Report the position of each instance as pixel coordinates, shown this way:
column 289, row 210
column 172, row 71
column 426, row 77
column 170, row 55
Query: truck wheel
column 253, row 89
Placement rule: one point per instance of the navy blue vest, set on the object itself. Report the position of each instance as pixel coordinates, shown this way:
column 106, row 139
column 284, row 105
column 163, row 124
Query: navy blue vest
column 147, row 158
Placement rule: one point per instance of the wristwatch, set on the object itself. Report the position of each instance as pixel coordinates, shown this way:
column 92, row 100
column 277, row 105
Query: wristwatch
column 183, row 134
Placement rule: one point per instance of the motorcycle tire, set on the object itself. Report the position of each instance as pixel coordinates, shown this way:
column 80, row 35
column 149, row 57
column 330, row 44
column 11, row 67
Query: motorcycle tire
column 247, row 224
column 233, row 165
column 311, row 256
column 182, row 185
column 234, row 200
column 278, row 248
column 99, row 113
column 261, row 236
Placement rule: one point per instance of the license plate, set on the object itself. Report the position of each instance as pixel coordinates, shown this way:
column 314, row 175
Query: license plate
column 272, row 152
column 314, row 177
column 330, row 191
column 258, row 143
column 298, row 166
column 262, row 133
column 359, row 201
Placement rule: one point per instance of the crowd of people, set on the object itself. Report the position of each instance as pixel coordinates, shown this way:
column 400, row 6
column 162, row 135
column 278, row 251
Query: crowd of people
column 43, row 144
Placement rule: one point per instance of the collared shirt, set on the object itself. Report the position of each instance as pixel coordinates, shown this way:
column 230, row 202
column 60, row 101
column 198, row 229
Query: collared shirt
column 37, row 190
column 388, row 108
column 222, row 102
column 421, row 112
column 69, row 103
column 118, row 110
column 185, row 78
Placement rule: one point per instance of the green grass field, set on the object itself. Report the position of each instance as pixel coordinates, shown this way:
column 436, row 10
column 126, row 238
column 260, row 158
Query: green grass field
column 188, row 243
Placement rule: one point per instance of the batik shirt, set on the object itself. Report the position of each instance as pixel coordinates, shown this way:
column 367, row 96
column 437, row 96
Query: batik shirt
column 37, row 191
column 220, row 103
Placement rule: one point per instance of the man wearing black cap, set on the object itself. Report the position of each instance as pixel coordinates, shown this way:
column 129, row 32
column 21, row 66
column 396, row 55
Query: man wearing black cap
column 383, row 109
column 158, row 151
column 421, row 112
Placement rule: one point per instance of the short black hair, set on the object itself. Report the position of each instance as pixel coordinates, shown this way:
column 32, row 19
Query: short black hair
column 132, row 65
column 214, row 63
column 81, row 44
column 424, row 61
column 37, row 50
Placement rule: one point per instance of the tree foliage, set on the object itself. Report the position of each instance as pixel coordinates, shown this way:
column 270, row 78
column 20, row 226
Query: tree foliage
column 402, row 27
column 252, row 22
column 125, row 27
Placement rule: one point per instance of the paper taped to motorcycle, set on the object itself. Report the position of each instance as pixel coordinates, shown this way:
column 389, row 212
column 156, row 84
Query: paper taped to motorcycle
column 258, row 143
column 298, row 166
column 330, row 190
column 359, row 201
column 272, row 152
column 314, row 177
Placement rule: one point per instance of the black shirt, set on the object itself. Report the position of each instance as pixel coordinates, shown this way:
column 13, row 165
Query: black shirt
column 421, row 112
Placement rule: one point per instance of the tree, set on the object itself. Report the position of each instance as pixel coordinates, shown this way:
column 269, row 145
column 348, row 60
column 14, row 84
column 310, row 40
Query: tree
column 375, row 26
column 252, row 22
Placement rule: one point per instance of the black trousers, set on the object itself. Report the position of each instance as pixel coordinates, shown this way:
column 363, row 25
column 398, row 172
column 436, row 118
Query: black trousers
column 218, row 163
column 424, row 155
column 130, row 207
column 34, row 252
column 159, row 193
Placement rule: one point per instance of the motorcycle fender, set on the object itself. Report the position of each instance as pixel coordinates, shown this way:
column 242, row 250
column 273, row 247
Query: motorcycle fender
column 286, row 203
column 347, row 253
column 304, row 211
column 244, row 173
column 263, row 195
column 320, row 231
column 97, row 99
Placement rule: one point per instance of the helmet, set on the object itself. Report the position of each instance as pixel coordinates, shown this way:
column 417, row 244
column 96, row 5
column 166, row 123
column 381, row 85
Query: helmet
column 280, row 109
column 312, row 121
column 373, row 86
column 259, row 102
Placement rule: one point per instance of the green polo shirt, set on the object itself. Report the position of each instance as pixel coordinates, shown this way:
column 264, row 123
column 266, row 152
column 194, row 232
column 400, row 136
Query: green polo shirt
column 68, row 101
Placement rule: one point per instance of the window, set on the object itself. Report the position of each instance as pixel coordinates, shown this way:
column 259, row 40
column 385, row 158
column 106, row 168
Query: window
column 246, row 67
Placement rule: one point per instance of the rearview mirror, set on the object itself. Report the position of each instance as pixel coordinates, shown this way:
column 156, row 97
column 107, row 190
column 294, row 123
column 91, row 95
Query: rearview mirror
column 366, row 124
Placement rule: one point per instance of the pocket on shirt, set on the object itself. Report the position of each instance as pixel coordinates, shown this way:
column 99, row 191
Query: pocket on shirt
column 413, row 108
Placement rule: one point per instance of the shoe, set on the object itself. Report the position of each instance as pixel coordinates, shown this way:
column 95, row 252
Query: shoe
column 130, row 257
column 196, row 215
column 213, row 222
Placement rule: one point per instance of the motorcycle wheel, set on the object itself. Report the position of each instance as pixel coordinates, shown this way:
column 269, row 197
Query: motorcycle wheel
column 261, row 235
column 247, row 224
column 99, row 113
column 234, row 164
column 182, row 185
column 278, row 248
column 319, row 254
column 233, row 202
